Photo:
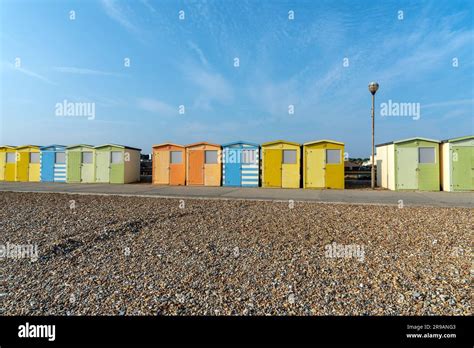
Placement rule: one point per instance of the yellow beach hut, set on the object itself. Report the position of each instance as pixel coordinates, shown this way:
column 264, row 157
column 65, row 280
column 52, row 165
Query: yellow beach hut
column 281, row 164
column 27, row 163
column 7, row 163
column 323, row 164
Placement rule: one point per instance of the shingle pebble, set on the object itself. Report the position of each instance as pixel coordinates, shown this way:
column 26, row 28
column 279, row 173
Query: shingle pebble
column 110, row 255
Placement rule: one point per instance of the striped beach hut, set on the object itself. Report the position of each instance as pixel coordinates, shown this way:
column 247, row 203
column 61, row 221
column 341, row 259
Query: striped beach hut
column 240, row 164
column 53, row 163
column 27, row 163
column 7, row 163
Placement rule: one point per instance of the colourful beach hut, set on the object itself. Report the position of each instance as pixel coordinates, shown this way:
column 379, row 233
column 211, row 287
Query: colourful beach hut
column 80, row 166
column 409, row 164
column 457, row 164
column 53, row 163
column 281, row 164
column 169, row 164
column 323, row 164
column 203, row 164
column 27, row 163
column 116, row 164
column 240, row 164
column 7, row 163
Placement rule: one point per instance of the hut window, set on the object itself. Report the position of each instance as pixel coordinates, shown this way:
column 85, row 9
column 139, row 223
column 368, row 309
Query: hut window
column 116, row 157
column 34, row 157
column 426, row 155
column 60, row 157
column 176, row 157
column 211, row 156
column 87, row 157
column 11, row 157
column 289, row 156
column 333, row 156
column 248, row 156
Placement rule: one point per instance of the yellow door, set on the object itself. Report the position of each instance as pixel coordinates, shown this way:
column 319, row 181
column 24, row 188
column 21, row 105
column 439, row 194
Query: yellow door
column 22, row 165
column 272, row 168
column 162, row 167
column 2, row 165
column 334, row 168
column 314, row 168
column 10, row 166
column 34, row 167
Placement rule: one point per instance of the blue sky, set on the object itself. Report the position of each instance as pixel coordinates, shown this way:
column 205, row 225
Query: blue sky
column 190, row 62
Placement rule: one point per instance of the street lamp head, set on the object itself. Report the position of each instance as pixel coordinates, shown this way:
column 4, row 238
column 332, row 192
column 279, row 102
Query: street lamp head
column 373, row 87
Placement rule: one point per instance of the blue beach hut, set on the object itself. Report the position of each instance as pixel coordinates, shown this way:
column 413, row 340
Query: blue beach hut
column 53, row 163
column 240, row 164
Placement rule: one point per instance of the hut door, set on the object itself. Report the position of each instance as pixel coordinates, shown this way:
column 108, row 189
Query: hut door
column 272, row 168
column 463, row 166
column 196, row 167
column 102, row 166
column 73, row 166
column 22, row 166
column 162, row 167
column 47, row 166
column 315, row 168
column 407, row 168
column 3, row 161
column 177, row 168
column 233, row 174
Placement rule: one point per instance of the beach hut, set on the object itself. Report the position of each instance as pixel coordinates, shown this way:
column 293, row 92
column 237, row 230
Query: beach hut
column 457, row 164
column 7, row 163
column 169, row 164
column 27, row 163
column 203, row 164
column 409, row 164
column 240, row 164
column 323, row 164
column 80, row 165
column 281, row 164
column 117, row 164
column 53, row 163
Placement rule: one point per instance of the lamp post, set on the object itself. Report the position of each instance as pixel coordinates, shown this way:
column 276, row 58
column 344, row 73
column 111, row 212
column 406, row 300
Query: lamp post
column 373, row 87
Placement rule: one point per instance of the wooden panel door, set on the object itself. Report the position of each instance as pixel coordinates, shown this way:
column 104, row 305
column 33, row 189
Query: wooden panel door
column 161, row 164
column 196, row 167
column 272, row 168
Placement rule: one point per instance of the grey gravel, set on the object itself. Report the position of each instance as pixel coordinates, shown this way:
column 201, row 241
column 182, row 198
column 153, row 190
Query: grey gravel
column 114, row 255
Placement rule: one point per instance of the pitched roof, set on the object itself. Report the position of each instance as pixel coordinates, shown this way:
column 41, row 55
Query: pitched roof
column 280, row 142
column 117, row 145
column 165, row 144
column 240, row 142
column 323, row 141
column 202, row 143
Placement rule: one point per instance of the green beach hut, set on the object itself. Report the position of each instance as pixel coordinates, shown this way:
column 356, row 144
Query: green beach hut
column 457, row 164
column 117, row 164
column 409, row 164
column 80, row 163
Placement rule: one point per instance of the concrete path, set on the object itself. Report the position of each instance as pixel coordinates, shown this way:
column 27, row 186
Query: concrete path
column 349, row 196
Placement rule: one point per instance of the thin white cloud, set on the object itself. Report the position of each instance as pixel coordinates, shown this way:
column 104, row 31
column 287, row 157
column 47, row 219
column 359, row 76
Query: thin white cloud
column 448, row 103
column 156, row 106
column 115, row 12
column 27, row 72
column 82, row 71
column 212, row 88
column 199, row 53
column 147, row 4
